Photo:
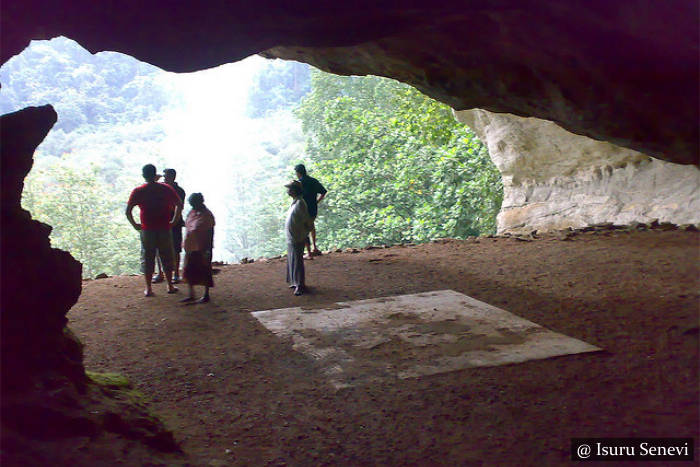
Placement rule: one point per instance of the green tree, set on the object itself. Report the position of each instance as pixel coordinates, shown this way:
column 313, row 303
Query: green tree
column 87, row 219
column 399, row 166
column 256, row 213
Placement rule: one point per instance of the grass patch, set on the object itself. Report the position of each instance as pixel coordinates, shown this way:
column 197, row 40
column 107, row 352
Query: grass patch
column 110, row 380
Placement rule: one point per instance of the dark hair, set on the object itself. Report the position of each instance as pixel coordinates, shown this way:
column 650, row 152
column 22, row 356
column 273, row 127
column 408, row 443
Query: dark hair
column 299, row 168
column 295, row 187
column 196, row 199
column 149, row 172
column 170, row 172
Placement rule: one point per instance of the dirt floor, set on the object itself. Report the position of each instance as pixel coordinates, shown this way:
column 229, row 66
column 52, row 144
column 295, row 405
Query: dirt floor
column 235, row 394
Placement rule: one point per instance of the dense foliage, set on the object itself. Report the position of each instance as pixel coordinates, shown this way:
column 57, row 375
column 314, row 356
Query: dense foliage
column 400, row 168
column 257, row 202
column 106, row 101
column 87, row 220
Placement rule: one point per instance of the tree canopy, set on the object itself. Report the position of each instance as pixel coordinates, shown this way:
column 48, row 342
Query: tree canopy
column 400, row 168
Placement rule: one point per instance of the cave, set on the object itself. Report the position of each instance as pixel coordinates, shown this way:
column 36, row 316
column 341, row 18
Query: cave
column 619, row 73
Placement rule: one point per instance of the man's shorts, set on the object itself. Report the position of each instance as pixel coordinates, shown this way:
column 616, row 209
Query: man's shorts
column 308, row 237
column 177, row 239
column 153, row 241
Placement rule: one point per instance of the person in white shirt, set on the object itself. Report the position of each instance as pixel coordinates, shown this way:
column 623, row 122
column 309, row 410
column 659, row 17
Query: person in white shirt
column 297, row 226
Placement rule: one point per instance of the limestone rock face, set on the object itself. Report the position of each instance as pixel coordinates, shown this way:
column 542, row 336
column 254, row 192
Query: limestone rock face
column 553, row 179
column 619, row 71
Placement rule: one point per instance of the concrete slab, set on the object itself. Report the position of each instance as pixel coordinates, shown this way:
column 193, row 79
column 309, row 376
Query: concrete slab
column 408, row 336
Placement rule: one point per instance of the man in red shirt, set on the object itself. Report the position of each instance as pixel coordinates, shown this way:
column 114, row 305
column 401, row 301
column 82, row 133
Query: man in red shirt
column 160, row 208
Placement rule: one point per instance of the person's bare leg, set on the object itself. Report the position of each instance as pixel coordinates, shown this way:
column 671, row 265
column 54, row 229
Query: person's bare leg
column 159, row 276
column 176, row 275
column 308, row 249
column 169, row 278
column 313, row 238
column 205, row 297
column 148, row 276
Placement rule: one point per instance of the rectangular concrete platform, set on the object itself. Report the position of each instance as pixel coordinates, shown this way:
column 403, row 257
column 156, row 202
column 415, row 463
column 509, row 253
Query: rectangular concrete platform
column 409, row 336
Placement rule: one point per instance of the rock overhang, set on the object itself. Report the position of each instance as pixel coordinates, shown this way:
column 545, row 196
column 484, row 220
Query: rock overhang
column 623, row 72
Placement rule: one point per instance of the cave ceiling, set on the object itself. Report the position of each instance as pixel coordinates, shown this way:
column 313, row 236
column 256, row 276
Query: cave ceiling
column 621, row 71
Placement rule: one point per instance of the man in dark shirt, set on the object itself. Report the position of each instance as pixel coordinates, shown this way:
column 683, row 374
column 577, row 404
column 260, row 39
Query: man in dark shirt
column 311, row 188
column 169, row 179
column 160, row 210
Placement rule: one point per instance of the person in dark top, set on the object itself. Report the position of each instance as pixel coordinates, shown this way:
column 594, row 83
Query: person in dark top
column 311, row 189
column 169, row 179
column 160, row 210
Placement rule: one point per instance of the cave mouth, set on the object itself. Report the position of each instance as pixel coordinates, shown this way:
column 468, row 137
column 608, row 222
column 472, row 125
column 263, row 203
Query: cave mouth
column 116, row 113
column 677, row 348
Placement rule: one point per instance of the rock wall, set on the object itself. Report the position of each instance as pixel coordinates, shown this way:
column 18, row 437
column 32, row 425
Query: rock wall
column 553, row 179
column 39, row 283
column 48, row 402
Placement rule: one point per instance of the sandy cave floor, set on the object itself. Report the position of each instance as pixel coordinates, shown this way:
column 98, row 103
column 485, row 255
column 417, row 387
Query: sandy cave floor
column 233, row 393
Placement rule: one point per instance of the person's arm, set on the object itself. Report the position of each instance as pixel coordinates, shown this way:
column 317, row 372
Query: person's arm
column 322, row 191
column 210, row 238
column 176, row 216
column 181, row 194
column 130, row 216
column 174, row 199
column 209, row 220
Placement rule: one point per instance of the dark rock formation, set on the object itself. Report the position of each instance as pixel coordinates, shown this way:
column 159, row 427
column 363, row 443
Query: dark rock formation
column 621, row 71
column 39, row 283
column 46, row 395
